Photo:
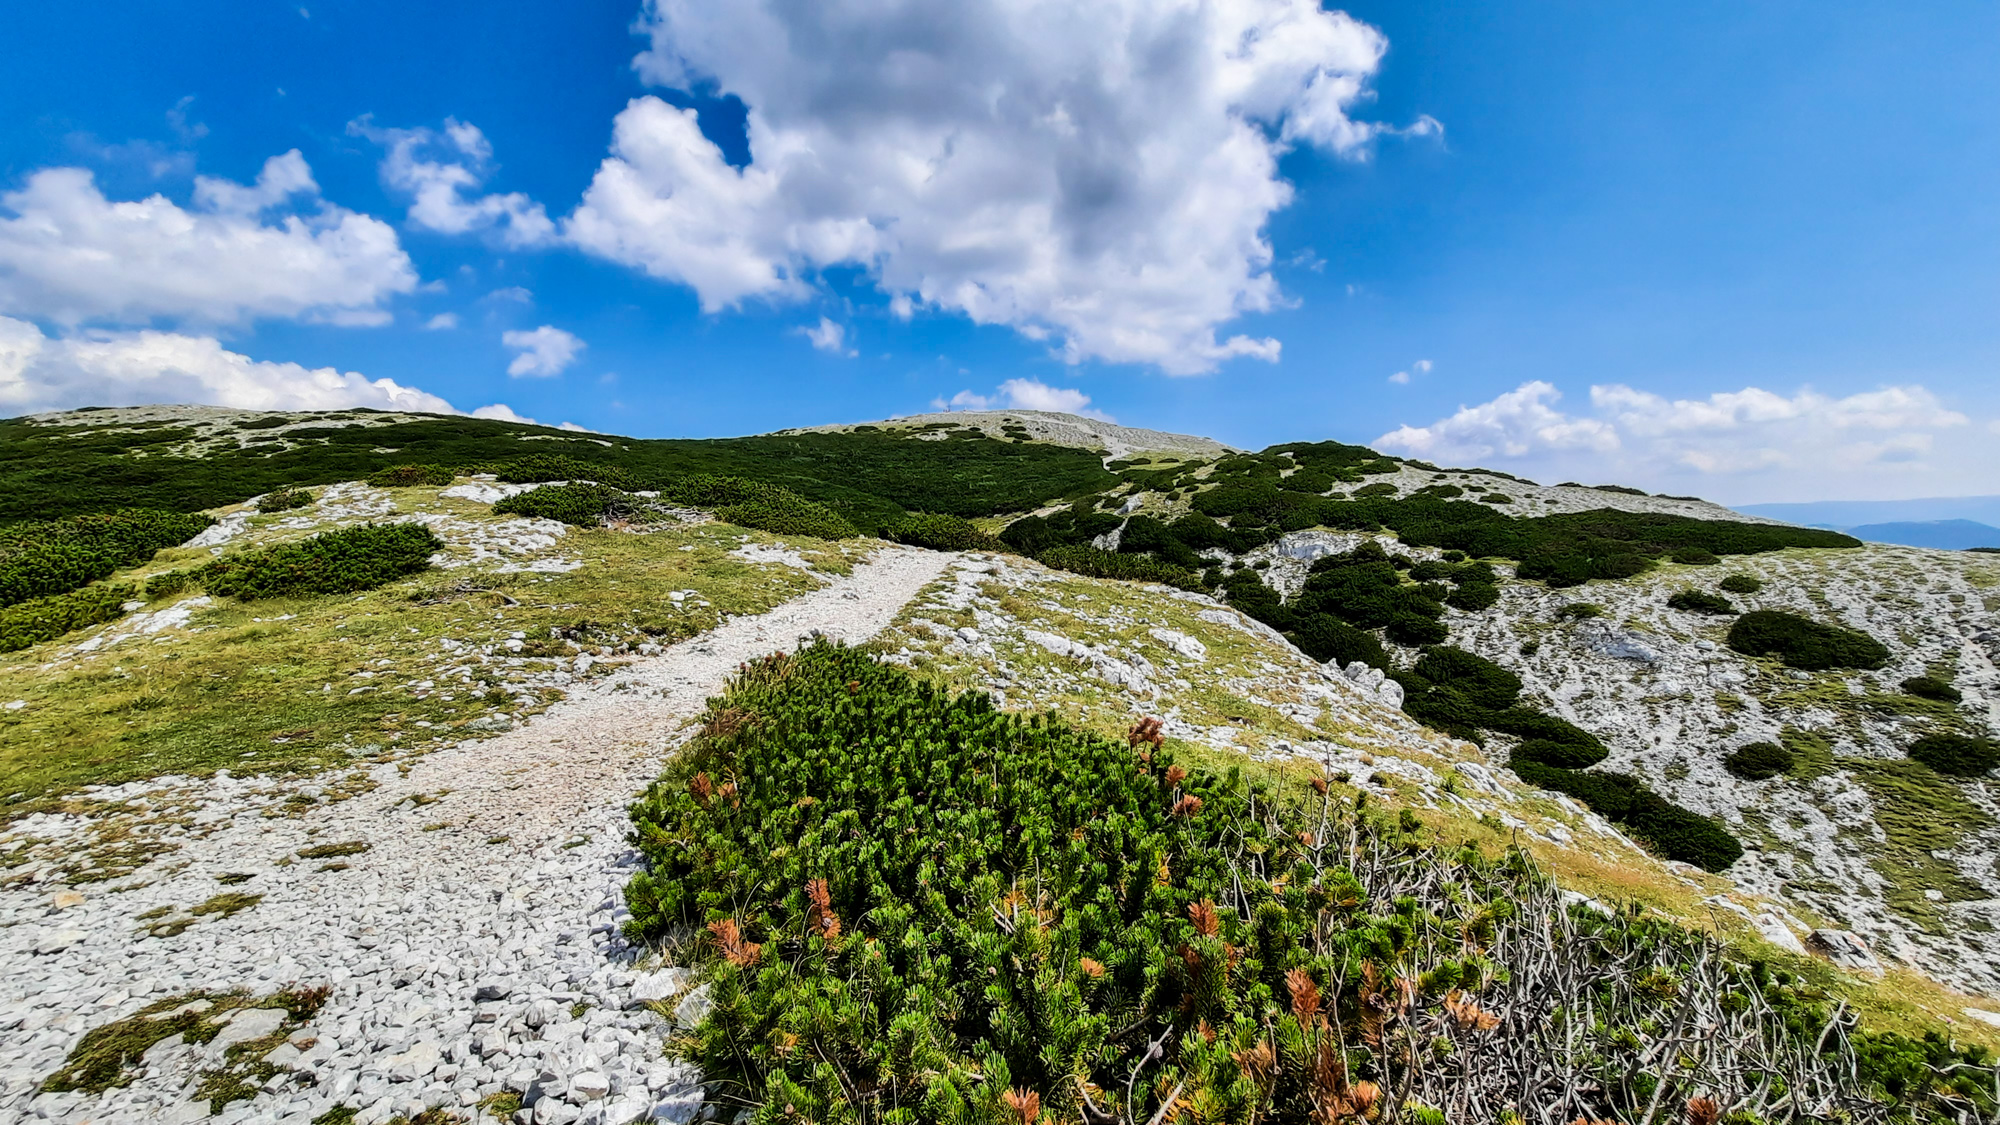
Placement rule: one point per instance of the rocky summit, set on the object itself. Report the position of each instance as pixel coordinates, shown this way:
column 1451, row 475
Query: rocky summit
column 366, row 767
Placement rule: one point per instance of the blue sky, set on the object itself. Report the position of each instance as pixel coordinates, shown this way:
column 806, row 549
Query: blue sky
column 1752, row 253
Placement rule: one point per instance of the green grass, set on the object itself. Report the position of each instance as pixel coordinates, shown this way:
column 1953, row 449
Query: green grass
column 243, row 690
column 1920, row 811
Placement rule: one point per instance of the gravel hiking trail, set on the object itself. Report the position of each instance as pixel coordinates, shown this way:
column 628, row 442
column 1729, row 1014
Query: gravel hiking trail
column 468, row 929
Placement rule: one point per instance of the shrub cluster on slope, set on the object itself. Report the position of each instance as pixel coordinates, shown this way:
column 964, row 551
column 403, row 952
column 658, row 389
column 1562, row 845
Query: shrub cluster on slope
column 868, row 478
column 1758, row 761
column 1956, row 754
column 42, row 559
column 412, row 476
column 284, row 500
column 28, row 623
column 580, row 505
column 917, row 908
column 1804, row 643
column 1466, row 695
column 1700, row 601
column 749, row 503
column 333, row 562
column 939, row 531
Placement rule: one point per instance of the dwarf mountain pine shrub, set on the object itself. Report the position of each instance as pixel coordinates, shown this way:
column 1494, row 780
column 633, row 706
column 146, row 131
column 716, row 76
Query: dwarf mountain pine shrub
column 412, row 476
column 540, row 468
column 579, row 505
column 940, row 532
column 1758, row 761
column 913, row 907
column 1930, row 687
column 748, row 503
column 1956, row 754
column 333, row 562
column 45, row 558
column 1740, row 584
column 1803, row 643
column 284, row 500
column 1700, row 601
column 1093, row 563
column 43, row 619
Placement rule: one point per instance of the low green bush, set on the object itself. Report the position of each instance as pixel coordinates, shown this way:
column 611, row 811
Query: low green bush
column 1758, row 761
column 1379, row 488
column 1471, row 597
column 1093, row 563
column 1579, row 611
column 1695, row 556
column 766, row 507
column 541, row 468
column 333, row 562
column 1562, row 755
column 43, row 619
column 912, row 907
column 1956, row 754
column 412, row 476
column 1930, row 687
column 579, row 505
column 1803, row 643
column 1740, row 584
column 939, row 532
column 284, row 500
column 42, row 559
column 1700, row 601
column 1328, row 639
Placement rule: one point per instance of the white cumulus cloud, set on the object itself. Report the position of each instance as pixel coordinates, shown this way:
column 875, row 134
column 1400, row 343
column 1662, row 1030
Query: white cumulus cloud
column 71, row 255
column 441, row 170
column 828, row 336
column 1024, row 394
column 1520, row 422
column 1421, row 367
column 544, row 351
column 1751, row 443
column 442, row 322
column 40, row 373
column 1097, row 175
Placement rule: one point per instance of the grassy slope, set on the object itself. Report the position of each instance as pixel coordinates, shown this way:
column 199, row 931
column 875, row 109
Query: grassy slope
column 272, row 685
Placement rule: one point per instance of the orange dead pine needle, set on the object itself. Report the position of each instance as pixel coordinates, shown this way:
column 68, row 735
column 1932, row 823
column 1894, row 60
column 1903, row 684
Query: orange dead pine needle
column 703, row 788
column 735, row 950
column 1305, row 994
column 1092, row 969
column 1187, row 806
column 1176, row 775
column 1146, row 731
column 821, row 919
column 1206, row 921
column 1703, row 1111
column 1026, row 1104
column 1466, row 1012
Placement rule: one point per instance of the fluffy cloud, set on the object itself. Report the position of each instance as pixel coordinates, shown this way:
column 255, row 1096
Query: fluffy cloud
column 1520, row 422
column 136, row 368
column 1024, row 394
column 442, row 322
column 1801, row 445
column 1098, row 175
column 545, row 351
column 71, row 255
column 828, row 336
column 1402, row 378
column 442, row 170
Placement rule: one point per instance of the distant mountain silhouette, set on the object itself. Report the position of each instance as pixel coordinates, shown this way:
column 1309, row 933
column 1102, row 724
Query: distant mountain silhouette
column 1949, row 535
column 1846, row 515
